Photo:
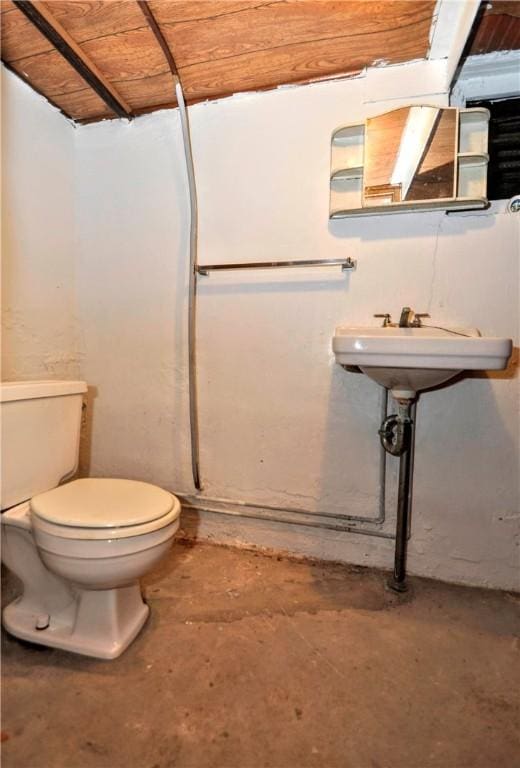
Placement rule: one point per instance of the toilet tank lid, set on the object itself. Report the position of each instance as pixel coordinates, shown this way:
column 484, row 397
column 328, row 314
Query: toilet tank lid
column 30, row 390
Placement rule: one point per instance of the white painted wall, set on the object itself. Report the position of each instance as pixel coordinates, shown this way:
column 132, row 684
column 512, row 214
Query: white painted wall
column 39, row 335
column 280, row 423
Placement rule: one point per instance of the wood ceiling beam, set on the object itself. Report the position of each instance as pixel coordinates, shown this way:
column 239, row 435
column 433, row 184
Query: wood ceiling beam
column 451, row 27
column 52, row 30
column 150, row 18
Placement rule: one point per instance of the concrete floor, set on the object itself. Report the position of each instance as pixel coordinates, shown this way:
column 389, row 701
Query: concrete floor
column 251, row 660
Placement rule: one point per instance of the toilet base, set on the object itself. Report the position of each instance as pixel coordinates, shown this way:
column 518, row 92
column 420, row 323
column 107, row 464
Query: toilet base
column 100, row 623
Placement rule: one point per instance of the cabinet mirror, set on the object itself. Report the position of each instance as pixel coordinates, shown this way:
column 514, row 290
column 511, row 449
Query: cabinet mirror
column 410, row 155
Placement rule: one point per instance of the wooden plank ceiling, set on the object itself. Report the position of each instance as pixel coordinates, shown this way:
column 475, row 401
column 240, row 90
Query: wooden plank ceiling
column 220, row 47
column 498, row 29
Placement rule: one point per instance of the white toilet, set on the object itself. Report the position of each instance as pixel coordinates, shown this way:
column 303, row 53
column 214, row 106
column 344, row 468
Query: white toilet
column 79, row 548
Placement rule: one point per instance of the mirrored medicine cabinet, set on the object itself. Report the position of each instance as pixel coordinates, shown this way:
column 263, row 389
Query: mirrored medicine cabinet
column 417, row 157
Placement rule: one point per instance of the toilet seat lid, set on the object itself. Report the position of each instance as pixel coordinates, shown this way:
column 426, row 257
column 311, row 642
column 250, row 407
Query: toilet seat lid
column 102, row 503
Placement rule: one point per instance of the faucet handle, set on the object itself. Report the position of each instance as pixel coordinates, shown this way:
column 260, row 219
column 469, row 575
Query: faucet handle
column 417, row 318
column 387, row 319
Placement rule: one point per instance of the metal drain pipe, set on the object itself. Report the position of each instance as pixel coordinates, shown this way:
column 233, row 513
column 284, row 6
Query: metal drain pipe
column 396, row 433
column 193, row 261
column 281, row 519
column 379, row 519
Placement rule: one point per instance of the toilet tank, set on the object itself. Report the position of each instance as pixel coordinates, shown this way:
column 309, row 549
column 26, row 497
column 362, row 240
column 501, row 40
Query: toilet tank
column 40, row 426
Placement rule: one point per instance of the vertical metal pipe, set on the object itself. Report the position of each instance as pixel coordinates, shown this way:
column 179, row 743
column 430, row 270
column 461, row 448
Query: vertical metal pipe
column 382, row 462
column 192, row 288
column 398, row 581
column 413, row 416
column 193, row 260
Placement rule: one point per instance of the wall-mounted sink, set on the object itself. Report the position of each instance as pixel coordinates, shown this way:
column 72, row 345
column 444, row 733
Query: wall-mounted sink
column 407, row 360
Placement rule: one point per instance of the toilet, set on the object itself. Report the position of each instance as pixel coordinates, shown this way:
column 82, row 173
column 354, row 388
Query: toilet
column 78, row 547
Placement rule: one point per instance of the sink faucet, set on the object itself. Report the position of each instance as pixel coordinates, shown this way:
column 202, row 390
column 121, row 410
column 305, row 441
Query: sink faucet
column 409, row 319
column 406, row 319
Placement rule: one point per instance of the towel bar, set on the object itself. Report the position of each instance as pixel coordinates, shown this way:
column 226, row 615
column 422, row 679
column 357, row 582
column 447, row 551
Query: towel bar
column 345, row 264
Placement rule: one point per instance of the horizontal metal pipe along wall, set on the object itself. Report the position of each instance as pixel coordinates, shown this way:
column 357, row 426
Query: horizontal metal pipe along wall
column 379, row 519
column 292, row 521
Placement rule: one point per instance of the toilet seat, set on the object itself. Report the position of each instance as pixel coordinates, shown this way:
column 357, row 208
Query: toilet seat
column 102, row 509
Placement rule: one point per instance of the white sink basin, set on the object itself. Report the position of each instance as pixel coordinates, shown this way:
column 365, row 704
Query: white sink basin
column 407, row 360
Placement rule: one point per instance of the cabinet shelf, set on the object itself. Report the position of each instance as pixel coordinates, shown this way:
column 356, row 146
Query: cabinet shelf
column 473, row 131
column 347, row 173
column 449, row 204
column 347, row 148
column 472, row 175
column 345, row 191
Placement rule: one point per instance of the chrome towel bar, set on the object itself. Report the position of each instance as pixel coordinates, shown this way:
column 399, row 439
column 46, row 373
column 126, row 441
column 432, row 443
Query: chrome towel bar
column 345, row 264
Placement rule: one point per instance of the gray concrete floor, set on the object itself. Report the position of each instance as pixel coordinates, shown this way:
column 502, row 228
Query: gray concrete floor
column 251, row 660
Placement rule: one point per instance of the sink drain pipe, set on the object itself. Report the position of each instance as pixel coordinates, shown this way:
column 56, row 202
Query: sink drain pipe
column 397, row 438
column 193, row 261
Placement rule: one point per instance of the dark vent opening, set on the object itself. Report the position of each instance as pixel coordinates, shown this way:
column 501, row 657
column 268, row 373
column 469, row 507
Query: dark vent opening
column 503, row 180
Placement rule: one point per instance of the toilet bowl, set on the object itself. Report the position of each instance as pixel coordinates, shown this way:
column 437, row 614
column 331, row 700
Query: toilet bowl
column 80, row 553
column 79, row 548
